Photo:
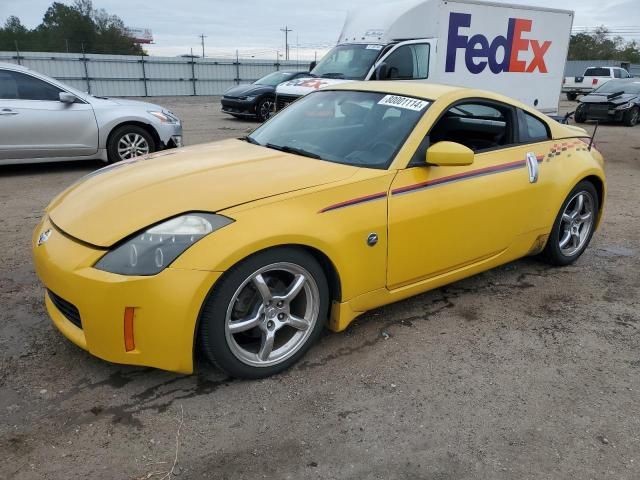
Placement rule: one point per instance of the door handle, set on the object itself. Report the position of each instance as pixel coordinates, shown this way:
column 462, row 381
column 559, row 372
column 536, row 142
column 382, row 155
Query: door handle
column 7, row 111
column 532, row 166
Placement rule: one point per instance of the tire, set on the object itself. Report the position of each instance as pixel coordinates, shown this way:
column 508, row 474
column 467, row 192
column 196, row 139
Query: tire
column 580, row 117
column 572, row 96
column 631, row 117
column 572, row 226
column 129, row 141
column 248, row 306
column 264, row 108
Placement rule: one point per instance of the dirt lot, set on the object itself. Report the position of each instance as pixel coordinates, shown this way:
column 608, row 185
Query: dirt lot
column 519, row 373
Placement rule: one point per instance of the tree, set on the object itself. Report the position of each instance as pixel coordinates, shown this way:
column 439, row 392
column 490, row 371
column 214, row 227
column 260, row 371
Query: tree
column 74, row 28
column 599, row 45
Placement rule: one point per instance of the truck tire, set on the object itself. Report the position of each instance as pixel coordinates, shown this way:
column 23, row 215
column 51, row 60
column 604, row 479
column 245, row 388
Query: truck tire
column 631, row 117
column 572, row 96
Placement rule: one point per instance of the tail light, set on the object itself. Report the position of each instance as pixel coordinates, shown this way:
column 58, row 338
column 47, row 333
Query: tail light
column 594, row 81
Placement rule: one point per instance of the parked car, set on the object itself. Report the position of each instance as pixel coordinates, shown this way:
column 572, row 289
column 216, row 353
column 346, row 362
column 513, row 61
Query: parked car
column 351, row 198
column 44, row 120
column 593, row 78
column 256, row 100
column 617, row 100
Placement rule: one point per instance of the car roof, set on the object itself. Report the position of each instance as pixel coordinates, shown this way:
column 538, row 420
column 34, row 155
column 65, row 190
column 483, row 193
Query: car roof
column 13, row 66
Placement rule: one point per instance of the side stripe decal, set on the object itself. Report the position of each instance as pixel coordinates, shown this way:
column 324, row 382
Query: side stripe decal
column 505, row 167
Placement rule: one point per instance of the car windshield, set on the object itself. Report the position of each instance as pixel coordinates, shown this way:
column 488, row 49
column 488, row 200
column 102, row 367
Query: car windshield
column 275, row 78
column 351, row 62
column 615, row 86
column 354, row 128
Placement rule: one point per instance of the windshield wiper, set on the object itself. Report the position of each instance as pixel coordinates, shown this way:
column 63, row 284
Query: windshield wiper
column 332, row 75
column 250, row 140
column 298, row 151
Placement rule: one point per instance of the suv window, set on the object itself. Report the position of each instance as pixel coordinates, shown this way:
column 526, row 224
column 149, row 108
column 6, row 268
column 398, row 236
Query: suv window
column 409, row 62
column 20, row 86
column 597, row 72
column 476, row 125
column 532, row 129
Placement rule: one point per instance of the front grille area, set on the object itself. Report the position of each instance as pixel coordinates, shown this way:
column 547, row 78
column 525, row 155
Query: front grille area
column 598, row 110
column 284, row 100
column 67, row 309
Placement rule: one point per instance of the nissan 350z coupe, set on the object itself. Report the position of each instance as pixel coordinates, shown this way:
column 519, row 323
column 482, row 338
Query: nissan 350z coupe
column 351, row 198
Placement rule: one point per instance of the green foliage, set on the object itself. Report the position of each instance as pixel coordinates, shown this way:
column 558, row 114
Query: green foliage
column 71, row 28
column 599, row 45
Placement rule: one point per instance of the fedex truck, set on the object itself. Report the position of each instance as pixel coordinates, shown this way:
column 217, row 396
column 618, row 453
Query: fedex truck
column 515, row 50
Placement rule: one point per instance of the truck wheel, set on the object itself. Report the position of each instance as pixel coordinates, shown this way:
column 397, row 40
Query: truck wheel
column 129, row 141
column 572, row 96
column 631, row 117
column 580, row 117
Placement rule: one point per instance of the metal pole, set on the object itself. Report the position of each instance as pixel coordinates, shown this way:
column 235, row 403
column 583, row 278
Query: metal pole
column 86, row 69
column 202, row 37
column 17, row 52
column 286, row 31
column 237, row 69
column 193, row 72
column 277, row 59
column 144, row 76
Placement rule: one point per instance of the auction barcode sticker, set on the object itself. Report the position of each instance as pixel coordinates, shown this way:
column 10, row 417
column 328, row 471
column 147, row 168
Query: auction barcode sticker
column 404, row 102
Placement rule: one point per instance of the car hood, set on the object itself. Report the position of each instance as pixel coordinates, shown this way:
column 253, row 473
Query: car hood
column 622, row 99
column 251, row 89
column 302, row 86
column 116, row 201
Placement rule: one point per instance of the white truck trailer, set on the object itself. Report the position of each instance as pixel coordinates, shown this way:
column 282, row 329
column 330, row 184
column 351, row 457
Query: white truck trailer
column 516, row 50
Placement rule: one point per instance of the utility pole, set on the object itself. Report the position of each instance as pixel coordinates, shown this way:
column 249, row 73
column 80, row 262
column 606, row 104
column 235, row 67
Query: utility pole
column 286, row 31
column 202, row 37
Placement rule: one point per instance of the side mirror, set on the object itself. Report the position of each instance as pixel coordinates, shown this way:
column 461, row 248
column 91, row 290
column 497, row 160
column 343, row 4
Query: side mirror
column 449, row 154
column 381, row 72
column 312, row 65
column 66, row 97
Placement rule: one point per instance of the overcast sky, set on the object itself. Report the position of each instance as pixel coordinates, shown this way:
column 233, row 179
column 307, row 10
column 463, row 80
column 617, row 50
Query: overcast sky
column 253, row 26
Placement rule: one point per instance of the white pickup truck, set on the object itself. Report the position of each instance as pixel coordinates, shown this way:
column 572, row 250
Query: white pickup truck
column 593, row 77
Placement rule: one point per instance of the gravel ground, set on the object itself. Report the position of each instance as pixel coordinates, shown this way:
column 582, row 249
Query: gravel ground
column 522, row 372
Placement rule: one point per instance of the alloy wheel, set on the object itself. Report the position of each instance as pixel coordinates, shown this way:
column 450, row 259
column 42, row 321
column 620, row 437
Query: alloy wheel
column 576, row 223
column 132, row 145
column 266, row 109
column 272, row 314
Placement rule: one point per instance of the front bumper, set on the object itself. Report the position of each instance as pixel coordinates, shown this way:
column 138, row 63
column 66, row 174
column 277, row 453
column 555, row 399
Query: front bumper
column 166, row 306
column 608, row 113
column 170, row 134
column 235, row 106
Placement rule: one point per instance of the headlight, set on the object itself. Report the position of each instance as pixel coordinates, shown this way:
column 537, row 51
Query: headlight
column 165, row 117
column 624, row 106
column 250, row 98
column 152, row 250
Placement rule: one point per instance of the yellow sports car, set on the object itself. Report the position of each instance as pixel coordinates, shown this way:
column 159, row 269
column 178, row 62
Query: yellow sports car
column 351, row 198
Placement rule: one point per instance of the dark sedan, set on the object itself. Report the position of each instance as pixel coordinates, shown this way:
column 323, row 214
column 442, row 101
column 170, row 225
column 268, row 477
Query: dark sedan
column 256, row 100
column 616, row 100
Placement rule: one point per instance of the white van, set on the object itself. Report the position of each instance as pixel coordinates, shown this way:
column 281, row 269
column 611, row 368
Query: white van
column 516, row 50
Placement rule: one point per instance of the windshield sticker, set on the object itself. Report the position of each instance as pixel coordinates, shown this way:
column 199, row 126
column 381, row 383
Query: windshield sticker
column 404, row 102
column 374, row 47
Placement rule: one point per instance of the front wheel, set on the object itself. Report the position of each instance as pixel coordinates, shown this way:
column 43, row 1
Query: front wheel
column 264, row 109
column 264, row 313
column 574, row 225
column 631, row 117
column 580, row 116
column 129, row 141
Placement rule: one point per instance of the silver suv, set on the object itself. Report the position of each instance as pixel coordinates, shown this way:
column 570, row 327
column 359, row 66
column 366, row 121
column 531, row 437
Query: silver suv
column 43, row 120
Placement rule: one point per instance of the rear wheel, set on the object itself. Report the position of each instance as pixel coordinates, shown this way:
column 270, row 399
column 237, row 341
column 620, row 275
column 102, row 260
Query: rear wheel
column 631, row 117
column 574, row 225
column 129, row 141
column 265, row 313
column 572, row 96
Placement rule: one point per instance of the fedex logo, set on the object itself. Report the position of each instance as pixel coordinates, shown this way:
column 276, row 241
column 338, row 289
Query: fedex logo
column 478, row 52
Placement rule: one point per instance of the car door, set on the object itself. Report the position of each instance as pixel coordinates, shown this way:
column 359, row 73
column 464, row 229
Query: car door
column 410, row 60
column 35, row 124
column 444, row 218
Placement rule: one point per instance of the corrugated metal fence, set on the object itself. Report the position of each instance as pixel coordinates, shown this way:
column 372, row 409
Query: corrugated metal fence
column 577, row 67
column 128, row 75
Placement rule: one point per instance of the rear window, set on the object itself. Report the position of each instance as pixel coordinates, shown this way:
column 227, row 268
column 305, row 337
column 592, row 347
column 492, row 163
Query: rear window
column 597, row 72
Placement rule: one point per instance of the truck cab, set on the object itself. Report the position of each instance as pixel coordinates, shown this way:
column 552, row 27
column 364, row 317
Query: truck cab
column 515, row 50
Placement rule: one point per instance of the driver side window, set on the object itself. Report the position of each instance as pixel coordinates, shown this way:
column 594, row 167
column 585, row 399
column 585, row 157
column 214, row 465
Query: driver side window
column 477, row 125
column 409, row 62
